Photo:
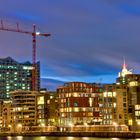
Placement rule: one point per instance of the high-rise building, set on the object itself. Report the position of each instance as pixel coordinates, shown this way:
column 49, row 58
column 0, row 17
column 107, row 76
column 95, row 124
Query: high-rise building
column 15, row 76
column 130, row 96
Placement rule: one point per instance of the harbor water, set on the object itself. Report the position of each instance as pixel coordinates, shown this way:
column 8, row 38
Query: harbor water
column 59, row 138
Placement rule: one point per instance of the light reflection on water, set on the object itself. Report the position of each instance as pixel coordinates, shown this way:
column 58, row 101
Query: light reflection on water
column 59, row 138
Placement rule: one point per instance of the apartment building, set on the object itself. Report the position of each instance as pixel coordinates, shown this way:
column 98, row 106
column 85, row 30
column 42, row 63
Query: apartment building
column 79, row 103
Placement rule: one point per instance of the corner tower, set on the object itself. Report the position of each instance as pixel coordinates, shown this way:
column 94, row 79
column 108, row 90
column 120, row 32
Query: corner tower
column 121, row 75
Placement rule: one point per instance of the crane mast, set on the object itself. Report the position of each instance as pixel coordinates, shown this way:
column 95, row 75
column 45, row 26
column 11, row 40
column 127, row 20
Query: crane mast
column 33, row 34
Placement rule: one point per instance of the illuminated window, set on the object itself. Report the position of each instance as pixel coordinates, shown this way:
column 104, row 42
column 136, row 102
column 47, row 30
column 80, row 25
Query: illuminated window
column 133, row 83
column 75, row 94
column 105, row 94
column 27, row 67
column 109, row 94
column 7, row 87
column 76, row 109
column 137, row 107
column 114, row 94
column 48, row 101
column 83, row 109
column 63, row 115
column 69, row 109
column 69, row 94
column 61, row 110
column 40, row 100
column 26, row 116
column 90, row 114
column 137, row 113
column 130, row 122
column 114, row 104
column 90, row 102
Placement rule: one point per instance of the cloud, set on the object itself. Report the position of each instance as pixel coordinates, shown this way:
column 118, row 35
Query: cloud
column 89, row 38
column 51, row 84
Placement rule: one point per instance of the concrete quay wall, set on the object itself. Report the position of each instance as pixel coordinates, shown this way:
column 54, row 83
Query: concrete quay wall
column 78, row 134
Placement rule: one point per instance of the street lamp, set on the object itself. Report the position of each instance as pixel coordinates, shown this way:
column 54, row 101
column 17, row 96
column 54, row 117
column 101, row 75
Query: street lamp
column 9, row 126
column 19, row 127
column 43, row 126
column 115, row 125
column 71, row 126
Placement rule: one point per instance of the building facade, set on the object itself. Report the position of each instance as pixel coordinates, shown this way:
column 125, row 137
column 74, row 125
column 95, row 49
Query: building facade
column 51, row 108
column 129, row 84
column 15, row 76
column 109, row 104
column 79, row 103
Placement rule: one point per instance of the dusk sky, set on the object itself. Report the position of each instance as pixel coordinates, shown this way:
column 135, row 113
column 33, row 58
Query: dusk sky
column 89, row 38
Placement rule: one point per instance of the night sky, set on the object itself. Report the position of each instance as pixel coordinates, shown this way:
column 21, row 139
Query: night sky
column 89, row 37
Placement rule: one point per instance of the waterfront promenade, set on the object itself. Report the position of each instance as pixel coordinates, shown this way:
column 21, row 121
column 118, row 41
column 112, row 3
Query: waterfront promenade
column 77, row 134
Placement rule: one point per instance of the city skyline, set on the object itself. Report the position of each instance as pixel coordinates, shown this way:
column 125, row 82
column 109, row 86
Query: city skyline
column 88, row 39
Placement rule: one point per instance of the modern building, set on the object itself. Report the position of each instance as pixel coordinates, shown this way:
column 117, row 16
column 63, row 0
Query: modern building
column 109, row 104
column 15, row 76
column 121, row 115
column 79, row 104
column 129, row 85
column 24, row 109
column 7, row 116
column 51, row 108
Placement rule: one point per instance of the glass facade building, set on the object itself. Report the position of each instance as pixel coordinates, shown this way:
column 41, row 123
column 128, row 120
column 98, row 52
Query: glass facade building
column 16, row 76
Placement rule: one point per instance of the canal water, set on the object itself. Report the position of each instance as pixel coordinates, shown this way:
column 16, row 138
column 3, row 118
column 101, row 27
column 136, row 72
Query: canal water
column 60, row 138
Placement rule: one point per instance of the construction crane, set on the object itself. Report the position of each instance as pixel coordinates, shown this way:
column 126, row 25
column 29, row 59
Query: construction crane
column 34, row 33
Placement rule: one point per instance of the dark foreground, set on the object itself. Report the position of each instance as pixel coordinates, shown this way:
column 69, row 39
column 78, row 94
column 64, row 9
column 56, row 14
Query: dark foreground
column 78, row 134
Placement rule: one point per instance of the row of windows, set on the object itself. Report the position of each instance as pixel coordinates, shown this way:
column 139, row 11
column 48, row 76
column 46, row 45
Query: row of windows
column 75, row 94
column 76, row 109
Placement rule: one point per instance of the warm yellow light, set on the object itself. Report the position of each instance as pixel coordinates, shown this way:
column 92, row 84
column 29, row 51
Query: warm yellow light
column 133, row 83
column 85, row 124
column 9, row 126
column 90, row 102
column 130, row 122
column 19, row 125
column 114, row 123
column 70, row 124
column 42, row 124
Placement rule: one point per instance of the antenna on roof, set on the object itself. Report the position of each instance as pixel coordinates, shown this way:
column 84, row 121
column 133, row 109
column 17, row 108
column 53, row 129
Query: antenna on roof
column 124, row 64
